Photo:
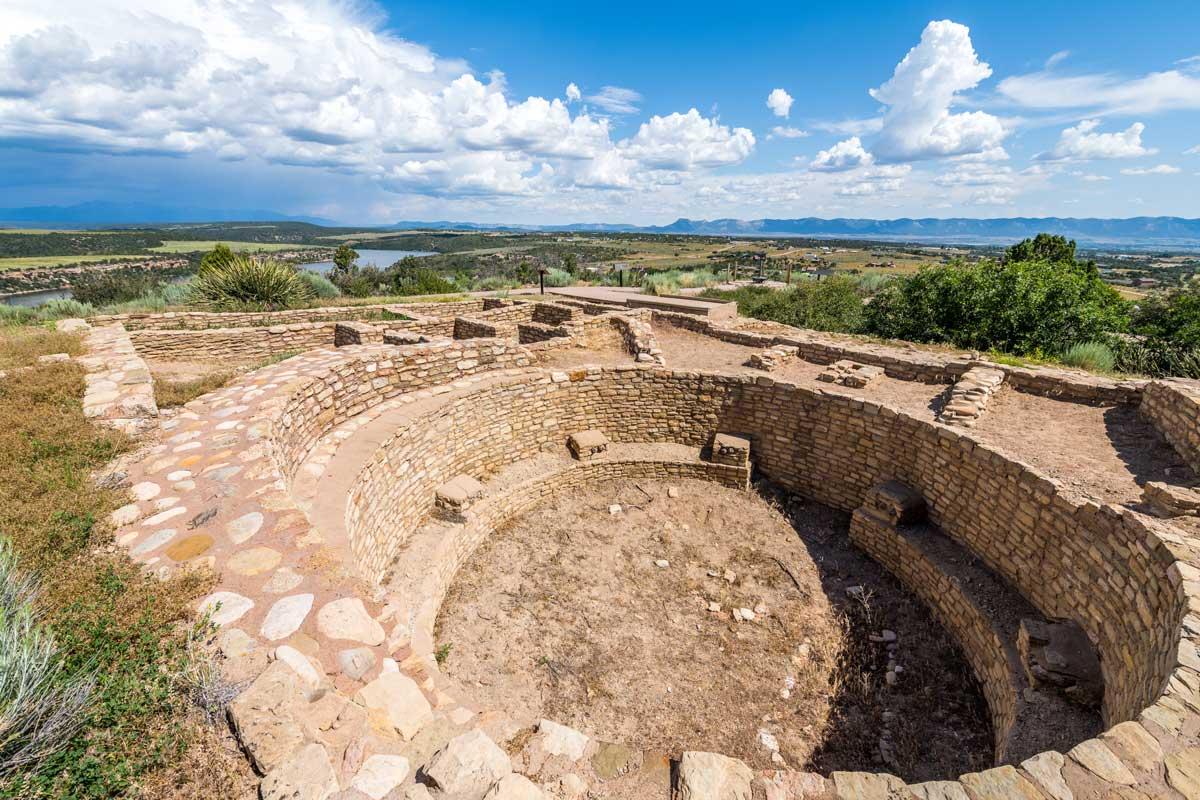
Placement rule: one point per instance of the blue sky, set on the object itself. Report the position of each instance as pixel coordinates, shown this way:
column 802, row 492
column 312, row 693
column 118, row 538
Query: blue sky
column 538, row 112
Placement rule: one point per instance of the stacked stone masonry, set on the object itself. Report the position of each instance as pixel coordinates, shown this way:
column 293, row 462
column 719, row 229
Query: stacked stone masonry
column 1130, row 581
column 119, row 390
column 970, row 396
column 1173, row 406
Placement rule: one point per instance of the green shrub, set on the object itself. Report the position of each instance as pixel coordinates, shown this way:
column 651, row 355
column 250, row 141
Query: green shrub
column 1172, row 316
column 495, row 283
column 1017, row 307
column 249, row 283
column 219, row 256
column 320, row 286
column 1092, row 356
column 833, row 304
column 109, row 287
column 16, row 315
column 558, row 277
column 1156, row 358
column 420, row 281
column 671, row 281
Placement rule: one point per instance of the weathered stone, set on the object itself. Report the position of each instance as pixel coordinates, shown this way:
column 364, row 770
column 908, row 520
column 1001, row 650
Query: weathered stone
column 1095, row 757
column 613, row 760
column 711, row 776
column 1183, row 772
column 309, row 676
column 380, row 774
column 254, row 561
column 1000, row 783
column 307, row 775
column 395, row 704
column 559, row 740
column 263, row 717
column 1046, row 770
column 937, row 790
column 225, row 607
column 286, row 617
column 865, row 785
column 186, row 549
column 1134, row 745
column 515, row 787
column 468, row 766
column 348, row 619
column 244, row 527
column 356, row 662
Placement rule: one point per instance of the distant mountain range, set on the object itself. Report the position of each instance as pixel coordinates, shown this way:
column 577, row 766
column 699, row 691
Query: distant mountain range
column 101, row 213
column 1132, row 232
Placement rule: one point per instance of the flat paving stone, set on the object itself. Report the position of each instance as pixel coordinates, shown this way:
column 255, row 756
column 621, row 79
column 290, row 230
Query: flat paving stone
column 286, row 616
column 186, row 549
column 225, row 607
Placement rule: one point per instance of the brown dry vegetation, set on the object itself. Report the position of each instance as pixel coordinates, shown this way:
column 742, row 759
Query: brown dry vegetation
column 108, row 616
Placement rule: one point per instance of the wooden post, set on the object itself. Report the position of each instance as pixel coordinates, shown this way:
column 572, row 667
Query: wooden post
column 789, row 274
column 542, row 281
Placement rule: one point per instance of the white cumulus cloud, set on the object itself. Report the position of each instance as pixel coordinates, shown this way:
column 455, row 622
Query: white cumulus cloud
column 780, row 102
column 319, row 84
column 845, row 155
column 1084, row 142
column 683, row 141
column 918, row 123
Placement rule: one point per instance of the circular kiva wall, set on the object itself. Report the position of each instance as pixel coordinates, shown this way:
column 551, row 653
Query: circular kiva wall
column 1106, row 568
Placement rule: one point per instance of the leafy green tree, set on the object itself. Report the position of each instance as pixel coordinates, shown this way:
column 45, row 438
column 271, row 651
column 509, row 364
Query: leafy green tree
column 1023, row 307
column 219, row 256
column 1043, row 247
column 1172, row 317
column 525, row 272
column 570, row 263
column 343, row 259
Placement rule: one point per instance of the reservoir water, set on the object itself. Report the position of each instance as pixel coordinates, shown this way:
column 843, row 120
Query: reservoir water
column 366, row 258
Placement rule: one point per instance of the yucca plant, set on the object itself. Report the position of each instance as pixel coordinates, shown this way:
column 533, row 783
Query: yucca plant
column 249, row 283
column 41, row 704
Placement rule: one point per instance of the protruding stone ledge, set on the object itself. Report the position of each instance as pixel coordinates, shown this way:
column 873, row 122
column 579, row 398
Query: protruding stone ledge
column 456, row 495
column 586, row 445
column 730, row 449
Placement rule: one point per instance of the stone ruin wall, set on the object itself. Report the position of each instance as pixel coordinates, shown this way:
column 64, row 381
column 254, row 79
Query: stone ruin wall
column 202, row 320
column 1173, row 407
column 1071, row 558
column 968, row 624
column 910, row 364
column 1109, row 569
column 367, row 376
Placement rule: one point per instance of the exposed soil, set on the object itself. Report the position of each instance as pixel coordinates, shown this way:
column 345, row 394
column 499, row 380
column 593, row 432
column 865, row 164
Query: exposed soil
column 565, row 614
column 1104, row 451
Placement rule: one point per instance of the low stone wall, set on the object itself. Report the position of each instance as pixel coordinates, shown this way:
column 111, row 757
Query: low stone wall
column 203, row 320
column 1104, row 568
column 119, row 390
column 1173, row 406
column 913, row 365
column 532, row 332
column 970, row 626
column 232, row 344
column 370, row 374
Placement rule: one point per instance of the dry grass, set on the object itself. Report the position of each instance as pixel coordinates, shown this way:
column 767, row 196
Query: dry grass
column 174, row 393
column 106, row 614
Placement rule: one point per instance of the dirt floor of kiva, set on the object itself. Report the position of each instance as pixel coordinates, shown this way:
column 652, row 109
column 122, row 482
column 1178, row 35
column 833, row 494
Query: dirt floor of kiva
column 736, row 622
